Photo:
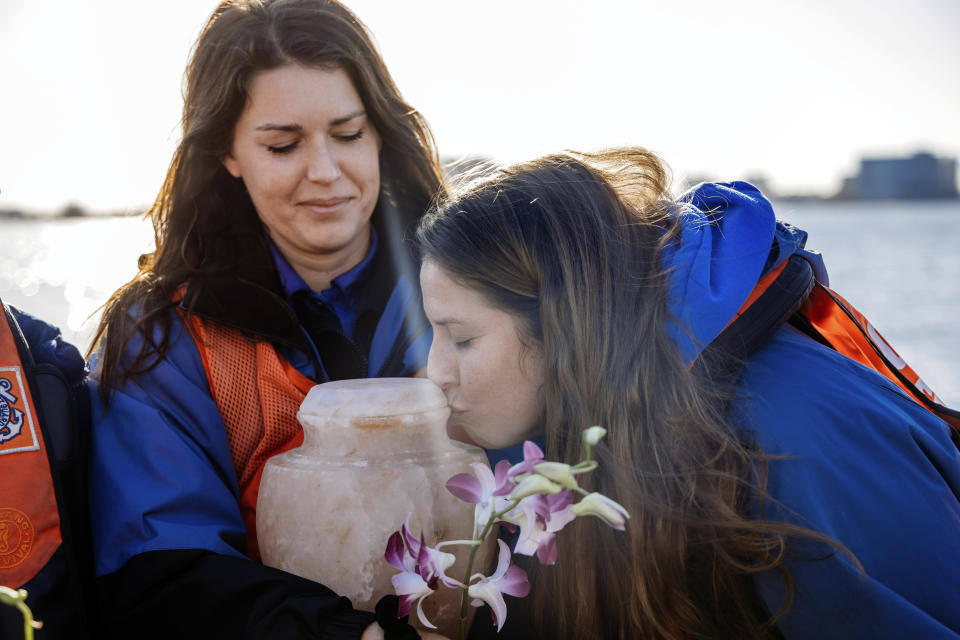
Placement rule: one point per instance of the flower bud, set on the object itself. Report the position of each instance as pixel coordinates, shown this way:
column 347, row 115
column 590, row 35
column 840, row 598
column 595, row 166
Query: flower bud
column 533, row 484
column 593, row 435
column 558, row 472
column 597, row 504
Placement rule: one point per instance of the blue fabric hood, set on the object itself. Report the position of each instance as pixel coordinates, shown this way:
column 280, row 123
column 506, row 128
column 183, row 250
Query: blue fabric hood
column 729, row 239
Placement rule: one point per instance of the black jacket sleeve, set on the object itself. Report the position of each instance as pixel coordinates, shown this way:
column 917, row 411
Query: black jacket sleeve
column 200, row 594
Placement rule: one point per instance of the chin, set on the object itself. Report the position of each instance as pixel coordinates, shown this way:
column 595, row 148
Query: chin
column 470, row 436
column 487, row 444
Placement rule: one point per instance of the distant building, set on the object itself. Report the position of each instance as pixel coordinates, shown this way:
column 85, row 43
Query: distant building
column 921, row 175
column 72, row 210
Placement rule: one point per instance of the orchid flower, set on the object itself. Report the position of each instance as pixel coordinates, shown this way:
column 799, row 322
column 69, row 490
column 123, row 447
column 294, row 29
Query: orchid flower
column 507, row 579
column 484, row 490
column 536, row 496
column 532, row 455
column 421, row 569
column 430, row 562
column 540, row 518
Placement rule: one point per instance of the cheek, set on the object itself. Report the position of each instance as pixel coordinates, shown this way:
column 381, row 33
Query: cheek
column 481, row 373
column 365, row 166
column 270, row 185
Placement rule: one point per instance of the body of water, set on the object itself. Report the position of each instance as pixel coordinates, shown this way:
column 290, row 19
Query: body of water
column 898, row 262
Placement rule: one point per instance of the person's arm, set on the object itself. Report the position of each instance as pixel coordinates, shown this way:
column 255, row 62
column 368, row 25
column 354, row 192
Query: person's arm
column 194, row 593
column 168, row 535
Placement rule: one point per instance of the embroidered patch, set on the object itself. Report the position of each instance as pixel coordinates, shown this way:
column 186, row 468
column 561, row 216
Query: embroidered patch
column 17, row 432
column 16, row 537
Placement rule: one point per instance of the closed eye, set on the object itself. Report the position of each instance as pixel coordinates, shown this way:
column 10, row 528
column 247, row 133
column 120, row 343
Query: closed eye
column 350, row 137
column 281, row 149
column 463, row 344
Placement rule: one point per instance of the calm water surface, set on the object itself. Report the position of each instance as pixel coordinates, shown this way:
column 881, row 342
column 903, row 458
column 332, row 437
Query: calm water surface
column 898, row 262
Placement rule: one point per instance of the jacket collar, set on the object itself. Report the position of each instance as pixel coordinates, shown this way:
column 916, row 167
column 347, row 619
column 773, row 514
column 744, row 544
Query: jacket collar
column 251, row 297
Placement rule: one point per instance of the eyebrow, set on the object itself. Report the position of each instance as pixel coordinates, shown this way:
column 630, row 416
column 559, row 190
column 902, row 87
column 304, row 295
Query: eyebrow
column 441, row 322
column 295, row 128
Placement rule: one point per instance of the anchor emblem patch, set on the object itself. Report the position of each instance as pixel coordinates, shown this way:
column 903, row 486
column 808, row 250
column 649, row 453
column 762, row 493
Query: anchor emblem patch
column 11, row 419
column 16, row 421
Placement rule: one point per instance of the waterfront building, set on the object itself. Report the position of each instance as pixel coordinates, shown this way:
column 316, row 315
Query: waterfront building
column 921, row 175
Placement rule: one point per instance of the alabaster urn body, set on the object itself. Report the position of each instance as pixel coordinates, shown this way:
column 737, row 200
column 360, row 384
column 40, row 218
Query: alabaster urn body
column 374, row 451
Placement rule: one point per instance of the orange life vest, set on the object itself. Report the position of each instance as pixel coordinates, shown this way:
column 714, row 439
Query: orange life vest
column 849, row 332
column 29, row 516
column 826, row 316
column 258, row 394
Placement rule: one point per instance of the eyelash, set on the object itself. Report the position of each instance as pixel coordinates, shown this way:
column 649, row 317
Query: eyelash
column 280, row 150
column 350, row 137
column 463, row 344
column 284, row 149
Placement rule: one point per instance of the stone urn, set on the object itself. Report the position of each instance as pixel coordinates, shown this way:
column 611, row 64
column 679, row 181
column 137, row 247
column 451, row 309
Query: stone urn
column 374, row 451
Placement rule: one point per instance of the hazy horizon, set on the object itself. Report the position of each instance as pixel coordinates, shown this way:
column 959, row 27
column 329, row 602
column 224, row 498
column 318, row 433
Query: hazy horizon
column 796, row 92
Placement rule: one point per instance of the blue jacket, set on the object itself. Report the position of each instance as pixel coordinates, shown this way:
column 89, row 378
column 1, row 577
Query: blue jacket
column 861, row 462
column 162, row 476
column 164, row 495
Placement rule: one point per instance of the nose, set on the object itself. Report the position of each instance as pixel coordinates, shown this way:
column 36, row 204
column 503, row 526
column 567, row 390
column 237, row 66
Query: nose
column 440, row 367
column 323, row 164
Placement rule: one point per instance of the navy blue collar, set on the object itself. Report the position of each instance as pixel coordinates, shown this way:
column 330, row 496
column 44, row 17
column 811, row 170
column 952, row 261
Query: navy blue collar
column 344, row 283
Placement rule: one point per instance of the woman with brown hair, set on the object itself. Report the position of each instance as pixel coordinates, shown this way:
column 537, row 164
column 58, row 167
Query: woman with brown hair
column 279, row 263
column 775, row 486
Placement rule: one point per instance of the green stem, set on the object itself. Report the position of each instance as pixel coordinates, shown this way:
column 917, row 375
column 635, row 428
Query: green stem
column 464, row 602
column 17, row 598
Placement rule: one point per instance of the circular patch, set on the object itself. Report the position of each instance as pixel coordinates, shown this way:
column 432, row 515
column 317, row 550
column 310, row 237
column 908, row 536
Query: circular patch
column 16, row 537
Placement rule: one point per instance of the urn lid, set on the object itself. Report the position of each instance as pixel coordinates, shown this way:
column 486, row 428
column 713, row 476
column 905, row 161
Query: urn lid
column 372, row 397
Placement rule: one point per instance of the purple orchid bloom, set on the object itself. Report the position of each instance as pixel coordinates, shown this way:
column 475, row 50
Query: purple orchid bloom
column 485, row 490
column 421, row 569
column 430, row 563
column 540, row 517
column 409, row 585
column 532, row 455
column 507, row 579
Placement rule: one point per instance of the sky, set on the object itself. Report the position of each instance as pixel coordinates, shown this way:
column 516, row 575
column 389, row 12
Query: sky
column 794, row 91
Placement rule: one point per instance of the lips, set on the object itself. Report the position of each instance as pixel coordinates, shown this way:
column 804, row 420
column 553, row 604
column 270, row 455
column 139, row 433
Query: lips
column 326, row 204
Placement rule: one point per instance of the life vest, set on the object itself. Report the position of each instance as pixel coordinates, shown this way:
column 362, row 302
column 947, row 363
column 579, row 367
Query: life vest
column 790, row 293
column 258, row 394
column 44, row 536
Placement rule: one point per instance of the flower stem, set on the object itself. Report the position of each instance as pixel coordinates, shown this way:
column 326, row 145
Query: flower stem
column 17, row 598
column 464, row 601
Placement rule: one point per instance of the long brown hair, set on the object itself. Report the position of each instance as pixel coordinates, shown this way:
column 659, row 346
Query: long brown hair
column 204, row 222
column 570, row 244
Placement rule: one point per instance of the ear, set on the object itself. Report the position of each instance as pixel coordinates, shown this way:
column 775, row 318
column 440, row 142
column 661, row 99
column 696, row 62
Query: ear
column 231, row 165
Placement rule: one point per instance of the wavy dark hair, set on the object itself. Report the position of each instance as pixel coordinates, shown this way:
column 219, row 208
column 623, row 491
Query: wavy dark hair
column 204, row 222
column 569, row 244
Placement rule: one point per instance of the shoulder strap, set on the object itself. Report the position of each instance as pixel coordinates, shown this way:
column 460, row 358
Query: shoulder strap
column 827, row 317
column 258, row 394
column 44, row 520
column 29, row 516
column 776, row 297
column 791, row 293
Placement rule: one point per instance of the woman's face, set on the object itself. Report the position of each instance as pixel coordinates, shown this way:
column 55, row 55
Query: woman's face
column 309, row 157
column 491, row 380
